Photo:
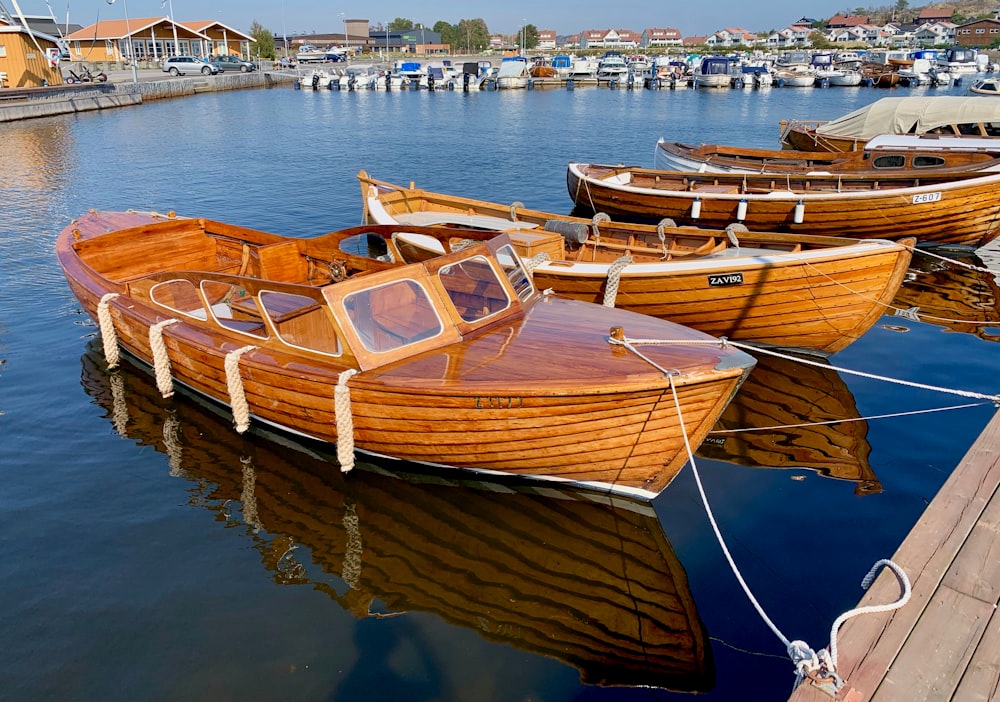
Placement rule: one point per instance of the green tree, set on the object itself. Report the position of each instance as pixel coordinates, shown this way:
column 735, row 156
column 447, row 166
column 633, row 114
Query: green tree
column 818, row 40
column 448, row 33
column 472, row 35
column 263, row 41
column 530, row 36
column 400, row 24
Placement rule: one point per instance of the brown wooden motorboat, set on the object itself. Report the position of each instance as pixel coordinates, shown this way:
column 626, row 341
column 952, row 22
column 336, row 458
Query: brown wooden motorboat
column 457, row 361
column 813, row 293
column 936, row 208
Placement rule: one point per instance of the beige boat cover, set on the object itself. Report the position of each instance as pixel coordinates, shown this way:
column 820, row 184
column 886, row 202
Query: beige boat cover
column 911, row 115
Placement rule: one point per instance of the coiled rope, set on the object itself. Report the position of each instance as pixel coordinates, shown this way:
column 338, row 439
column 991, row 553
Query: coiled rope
column 108, row 335
column 161, row 361
column 513, row 209
column 614, row 278
column 819, row 667
column 234, row 383
column 345, row 421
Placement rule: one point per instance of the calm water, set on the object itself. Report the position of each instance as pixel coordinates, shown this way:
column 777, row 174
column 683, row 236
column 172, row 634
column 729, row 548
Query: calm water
column 148, row 552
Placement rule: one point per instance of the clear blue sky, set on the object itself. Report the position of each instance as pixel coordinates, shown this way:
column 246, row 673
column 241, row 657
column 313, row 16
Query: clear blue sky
column 301, row 16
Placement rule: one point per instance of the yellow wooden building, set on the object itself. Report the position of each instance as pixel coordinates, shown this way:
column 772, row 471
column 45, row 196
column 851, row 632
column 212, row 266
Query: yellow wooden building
column 154, row 38
column 28, row 58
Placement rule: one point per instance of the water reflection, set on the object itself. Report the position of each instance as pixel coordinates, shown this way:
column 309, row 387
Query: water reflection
column 950, row 296
column 785, row 394
column 593, row 584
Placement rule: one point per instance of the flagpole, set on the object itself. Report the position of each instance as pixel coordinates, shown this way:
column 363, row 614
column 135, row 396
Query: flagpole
column 177, row 46
column 131, row 49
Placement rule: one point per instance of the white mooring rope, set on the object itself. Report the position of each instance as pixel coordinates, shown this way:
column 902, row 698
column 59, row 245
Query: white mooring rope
column 108, row 336
column 530, row 264
column 820, row 667
column 614, row 278
column 161, row 361
column 345, row 421
column 234, row 383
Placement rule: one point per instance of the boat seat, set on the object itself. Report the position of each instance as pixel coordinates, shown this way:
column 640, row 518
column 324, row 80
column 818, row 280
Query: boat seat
column 475, row 221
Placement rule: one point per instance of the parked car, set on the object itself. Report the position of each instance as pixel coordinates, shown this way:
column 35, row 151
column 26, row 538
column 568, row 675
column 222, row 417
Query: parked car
column 234, row 63
column 182, row 65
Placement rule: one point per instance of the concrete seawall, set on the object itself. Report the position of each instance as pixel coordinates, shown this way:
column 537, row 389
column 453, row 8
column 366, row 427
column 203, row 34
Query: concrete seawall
column 29, row 103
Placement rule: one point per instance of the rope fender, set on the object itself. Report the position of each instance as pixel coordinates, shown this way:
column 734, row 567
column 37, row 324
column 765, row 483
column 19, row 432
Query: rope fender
column 234, row 383
column 345, row 421
column 614, row 278
column 161, row 361
column 108, row 335
column 530, row 264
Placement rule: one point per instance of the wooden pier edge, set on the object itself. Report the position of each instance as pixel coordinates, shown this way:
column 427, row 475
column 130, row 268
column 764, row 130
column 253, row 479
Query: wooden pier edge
column 944, row 644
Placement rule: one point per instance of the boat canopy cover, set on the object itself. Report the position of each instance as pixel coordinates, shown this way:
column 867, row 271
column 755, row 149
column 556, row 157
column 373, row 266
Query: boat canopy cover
column 514, row 69
column 410, row 66
column 470, row 67
column 911, row 115
column 436, row 72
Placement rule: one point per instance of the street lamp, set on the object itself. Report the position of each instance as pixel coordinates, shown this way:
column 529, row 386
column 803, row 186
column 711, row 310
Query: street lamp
column 284, row 33
column 524, row 38
column 422, row 38
column 343, row 19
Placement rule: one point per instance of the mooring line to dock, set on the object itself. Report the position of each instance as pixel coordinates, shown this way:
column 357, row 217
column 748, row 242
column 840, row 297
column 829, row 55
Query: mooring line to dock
column 821, row 667
column 630, row 344
column 890, row 415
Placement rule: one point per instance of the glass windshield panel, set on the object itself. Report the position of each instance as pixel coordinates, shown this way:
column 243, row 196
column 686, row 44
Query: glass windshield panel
column 474, row 288
column 180, row 296
column 391, row 316
column 233, row 307
column 516, row 274
column 301, row 321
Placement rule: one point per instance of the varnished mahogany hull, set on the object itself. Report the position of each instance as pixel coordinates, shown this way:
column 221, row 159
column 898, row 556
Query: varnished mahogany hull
column 598, row 585
column 795, row 399
column 821, row 300
column 960, row 210
column 504, row 401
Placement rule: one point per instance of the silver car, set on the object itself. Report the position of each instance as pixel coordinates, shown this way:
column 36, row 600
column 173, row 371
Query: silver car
column 182, row 65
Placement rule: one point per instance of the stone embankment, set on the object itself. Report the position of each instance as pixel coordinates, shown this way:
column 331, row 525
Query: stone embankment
column 121, row 91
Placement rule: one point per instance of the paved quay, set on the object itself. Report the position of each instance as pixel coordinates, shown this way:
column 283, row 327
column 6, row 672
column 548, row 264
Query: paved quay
column 944, row 644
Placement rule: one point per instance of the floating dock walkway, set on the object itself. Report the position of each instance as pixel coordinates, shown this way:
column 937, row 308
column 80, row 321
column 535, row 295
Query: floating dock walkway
column 944, row 644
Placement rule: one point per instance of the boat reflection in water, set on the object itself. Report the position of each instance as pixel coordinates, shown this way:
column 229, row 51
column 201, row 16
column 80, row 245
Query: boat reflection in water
column 583, row 578
column 784, row 393
column 952, row 297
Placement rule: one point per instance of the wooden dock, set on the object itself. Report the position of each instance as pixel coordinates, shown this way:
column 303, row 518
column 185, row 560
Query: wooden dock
column 944, row 644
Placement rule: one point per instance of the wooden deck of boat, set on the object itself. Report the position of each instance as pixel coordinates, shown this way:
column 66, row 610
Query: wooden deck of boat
column 945, row 643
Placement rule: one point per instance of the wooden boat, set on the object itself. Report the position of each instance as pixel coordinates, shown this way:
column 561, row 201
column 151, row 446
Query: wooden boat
column 813, row 293
column 936, row 208
column 946, row 115
column 985, row 86
column 598, row 585
column 459, row 361
column 888, row 152
column 794, row 398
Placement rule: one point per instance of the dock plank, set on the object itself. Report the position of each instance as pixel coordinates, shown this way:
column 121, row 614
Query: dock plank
column 982, row 679
column 962, row 516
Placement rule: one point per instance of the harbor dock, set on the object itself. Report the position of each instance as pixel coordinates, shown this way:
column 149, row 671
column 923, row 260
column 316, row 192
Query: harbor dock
column 944, row 644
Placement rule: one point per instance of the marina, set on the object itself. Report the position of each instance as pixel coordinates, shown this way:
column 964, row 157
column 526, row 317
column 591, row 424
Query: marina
column 146, row 536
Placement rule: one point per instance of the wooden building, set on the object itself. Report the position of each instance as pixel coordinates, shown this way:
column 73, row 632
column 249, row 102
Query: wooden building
column 28, row 58
column 154, row 38
column 981, row 33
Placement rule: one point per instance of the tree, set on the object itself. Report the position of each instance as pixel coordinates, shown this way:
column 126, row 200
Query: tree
column 448, row 33
column 472, row 35
column 818, row 40
column 263, row 40
column 400, row 24
column 530, row 36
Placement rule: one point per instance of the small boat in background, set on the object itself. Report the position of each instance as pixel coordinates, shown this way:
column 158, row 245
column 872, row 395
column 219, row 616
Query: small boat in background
column 457, row 361
column 813, row 293
column 944, row 115
column 714, row 72
column 513, row 73
column 889, row 152
column 985, row 86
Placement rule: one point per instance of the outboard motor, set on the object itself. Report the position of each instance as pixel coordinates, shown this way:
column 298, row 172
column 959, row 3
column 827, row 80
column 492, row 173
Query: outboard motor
column 315, row 81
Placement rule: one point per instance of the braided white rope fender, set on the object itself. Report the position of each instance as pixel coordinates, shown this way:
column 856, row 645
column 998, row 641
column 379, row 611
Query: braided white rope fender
column 345, row 421
column 513, row 209
column 234, row 383
column 161, row 361
column 108, row 335
column 530, row 264
column 614, row 277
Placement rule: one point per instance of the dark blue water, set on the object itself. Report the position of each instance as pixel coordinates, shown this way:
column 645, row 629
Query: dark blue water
column 148, row 552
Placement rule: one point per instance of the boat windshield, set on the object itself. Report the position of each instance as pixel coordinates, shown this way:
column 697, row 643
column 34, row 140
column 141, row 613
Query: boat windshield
column 474, row 288
column 390, row 316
